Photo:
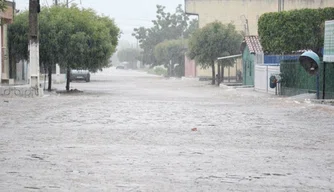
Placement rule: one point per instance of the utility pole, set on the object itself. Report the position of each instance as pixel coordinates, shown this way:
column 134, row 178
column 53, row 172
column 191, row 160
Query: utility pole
column 245, row 22
column 34, row 9
column 247, row 27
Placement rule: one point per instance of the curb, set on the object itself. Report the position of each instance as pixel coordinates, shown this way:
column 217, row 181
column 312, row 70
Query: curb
column 190, row 78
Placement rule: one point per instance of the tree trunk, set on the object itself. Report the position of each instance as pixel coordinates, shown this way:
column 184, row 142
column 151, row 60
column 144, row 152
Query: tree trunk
column 222, row 73
column 219, row 75
column 213, row 73
column 68, row 77
column 182, row 68
column 49, row 77
column 12, row 67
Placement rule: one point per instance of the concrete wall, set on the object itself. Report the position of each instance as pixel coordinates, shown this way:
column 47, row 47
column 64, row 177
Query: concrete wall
column 22, row 72
column 236, row 11
column 189, row 67
column 208, row 72
column 233, row 10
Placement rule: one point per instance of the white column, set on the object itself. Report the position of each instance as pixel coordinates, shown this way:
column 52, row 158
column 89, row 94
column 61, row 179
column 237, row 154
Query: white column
column 57, row 73
column 5, row 52
column 34, row 66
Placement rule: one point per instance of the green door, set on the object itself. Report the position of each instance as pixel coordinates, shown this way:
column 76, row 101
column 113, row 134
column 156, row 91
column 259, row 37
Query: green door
column 249, row 73
column 248, row 67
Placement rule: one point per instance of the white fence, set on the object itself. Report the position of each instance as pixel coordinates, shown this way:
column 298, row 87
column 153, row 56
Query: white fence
column 262, row 75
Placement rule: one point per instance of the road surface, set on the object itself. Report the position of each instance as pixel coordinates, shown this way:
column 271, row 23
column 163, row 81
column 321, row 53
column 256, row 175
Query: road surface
column 129, row 131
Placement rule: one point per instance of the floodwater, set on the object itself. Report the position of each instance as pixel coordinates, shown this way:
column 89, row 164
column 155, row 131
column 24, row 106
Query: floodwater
column 129, row 131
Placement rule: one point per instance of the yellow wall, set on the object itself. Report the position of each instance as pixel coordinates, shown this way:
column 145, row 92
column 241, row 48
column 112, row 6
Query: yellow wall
column 233, row 10
column 208, row 72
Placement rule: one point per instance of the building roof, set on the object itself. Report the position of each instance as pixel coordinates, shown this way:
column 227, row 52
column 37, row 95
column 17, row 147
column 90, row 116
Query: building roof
column 253, row 44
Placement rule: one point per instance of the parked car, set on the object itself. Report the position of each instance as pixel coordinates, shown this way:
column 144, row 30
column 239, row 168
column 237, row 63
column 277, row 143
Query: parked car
column 120, row 67
column 80, row 75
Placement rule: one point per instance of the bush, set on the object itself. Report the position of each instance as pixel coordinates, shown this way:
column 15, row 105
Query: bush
column 288, row 31
column 158, row 70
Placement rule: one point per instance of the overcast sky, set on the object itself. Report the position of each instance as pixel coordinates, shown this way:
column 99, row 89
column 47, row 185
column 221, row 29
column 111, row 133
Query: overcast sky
column 128, row 14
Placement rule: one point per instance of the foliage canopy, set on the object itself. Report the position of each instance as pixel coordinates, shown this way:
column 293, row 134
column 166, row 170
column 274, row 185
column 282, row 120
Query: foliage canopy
column 288, row 31
column 165, row 27
column 213, row 41
column 73, row 37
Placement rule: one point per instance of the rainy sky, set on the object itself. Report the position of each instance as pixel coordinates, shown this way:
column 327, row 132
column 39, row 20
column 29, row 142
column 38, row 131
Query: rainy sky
column 128, row 14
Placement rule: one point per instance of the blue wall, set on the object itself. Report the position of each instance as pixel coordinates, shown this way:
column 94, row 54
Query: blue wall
column 276, row 59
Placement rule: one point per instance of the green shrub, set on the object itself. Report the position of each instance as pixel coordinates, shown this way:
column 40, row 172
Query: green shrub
column 287, row 31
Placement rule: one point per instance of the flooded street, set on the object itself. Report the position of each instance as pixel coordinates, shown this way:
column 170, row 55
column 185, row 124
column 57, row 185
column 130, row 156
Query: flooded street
column 129, row 131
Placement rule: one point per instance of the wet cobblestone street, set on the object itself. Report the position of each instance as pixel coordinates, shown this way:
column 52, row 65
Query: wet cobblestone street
column 129, row 131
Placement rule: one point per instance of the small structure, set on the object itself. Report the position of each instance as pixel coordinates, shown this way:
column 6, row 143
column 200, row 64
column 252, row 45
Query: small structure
column 252, row 54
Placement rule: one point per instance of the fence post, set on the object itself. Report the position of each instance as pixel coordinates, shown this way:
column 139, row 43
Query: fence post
column 324, row 82
column 318, row 85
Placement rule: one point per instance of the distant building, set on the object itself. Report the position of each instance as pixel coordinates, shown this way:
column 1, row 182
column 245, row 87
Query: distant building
column 243, row 13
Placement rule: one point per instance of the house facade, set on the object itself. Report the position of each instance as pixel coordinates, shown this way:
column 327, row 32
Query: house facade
column 6, row 17
column 252, row 54
column 243, row 13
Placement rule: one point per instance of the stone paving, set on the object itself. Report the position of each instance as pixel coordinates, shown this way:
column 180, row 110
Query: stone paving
column 129, row 131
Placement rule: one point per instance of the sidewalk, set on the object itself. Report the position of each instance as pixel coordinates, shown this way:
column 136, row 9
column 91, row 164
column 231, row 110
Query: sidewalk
column 17, row 90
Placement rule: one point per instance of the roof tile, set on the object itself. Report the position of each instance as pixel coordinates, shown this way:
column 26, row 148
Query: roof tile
column 253, row 44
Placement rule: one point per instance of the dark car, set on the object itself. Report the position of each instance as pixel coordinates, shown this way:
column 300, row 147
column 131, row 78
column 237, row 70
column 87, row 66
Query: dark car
column 120, row 67
column 80, row 75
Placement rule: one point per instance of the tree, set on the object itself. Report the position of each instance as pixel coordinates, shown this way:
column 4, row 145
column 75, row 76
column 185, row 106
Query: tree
column 130, row 55
column 213, row 41
column 49, row 46
column 18, row 39
column 167, row 26
column 85, row 38
column 18, row 36
column 294, row 30
column 192, row 27
column 74, row 38
column 171, row 51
